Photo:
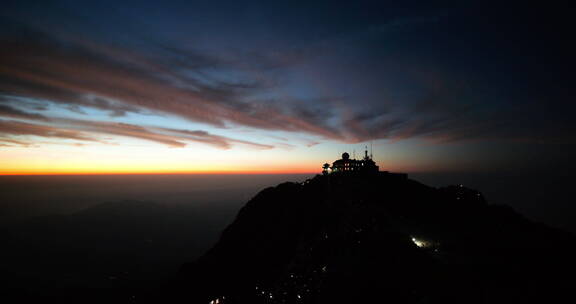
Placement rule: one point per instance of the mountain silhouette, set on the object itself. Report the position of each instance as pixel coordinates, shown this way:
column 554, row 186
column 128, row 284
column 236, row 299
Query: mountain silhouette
column 335, row 238
column 380, row 238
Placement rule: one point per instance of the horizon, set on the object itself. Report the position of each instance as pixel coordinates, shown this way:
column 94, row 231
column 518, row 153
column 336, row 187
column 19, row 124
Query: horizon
column 213, row 172
column 65, row 192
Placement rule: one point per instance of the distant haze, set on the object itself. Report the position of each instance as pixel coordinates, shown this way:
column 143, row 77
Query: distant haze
column 63, row 194
column 539, row 196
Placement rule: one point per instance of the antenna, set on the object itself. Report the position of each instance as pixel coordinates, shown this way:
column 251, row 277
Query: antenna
column 371, row 155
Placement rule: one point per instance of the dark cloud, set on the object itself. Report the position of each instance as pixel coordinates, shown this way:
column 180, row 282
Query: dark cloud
column 89, row 77
column 399, row 70
column 8, row 111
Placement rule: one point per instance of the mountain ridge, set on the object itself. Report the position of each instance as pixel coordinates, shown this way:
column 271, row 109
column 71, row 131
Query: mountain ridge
column 331, row 238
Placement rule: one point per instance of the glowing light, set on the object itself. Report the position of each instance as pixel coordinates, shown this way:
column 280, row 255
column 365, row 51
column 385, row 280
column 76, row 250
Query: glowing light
column 421, row 243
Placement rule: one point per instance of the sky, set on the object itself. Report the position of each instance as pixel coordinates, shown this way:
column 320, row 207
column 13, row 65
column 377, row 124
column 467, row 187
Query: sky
column 282, row 87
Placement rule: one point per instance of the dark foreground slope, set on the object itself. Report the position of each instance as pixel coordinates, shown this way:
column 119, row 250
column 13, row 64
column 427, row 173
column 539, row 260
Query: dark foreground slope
column 114, row 252
column 380, row 239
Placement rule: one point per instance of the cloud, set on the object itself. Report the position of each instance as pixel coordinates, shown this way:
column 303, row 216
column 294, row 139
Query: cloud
column 123, row 129
column 404, row 88
column 11, row 128
column 8, row 142
column 215, row 140
column 8, row 111
column 170, row 137
column 84, row 130
column 80, row 73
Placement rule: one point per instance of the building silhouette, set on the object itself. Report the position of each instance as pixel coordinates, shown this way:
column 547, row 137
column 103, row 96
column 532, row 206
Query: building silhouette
column 364, row 166
column 346, row 164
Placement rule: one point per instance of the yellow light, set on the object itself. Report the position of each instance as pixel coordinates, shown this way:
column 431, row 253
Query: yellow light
column 421, row 243
column 101, row 159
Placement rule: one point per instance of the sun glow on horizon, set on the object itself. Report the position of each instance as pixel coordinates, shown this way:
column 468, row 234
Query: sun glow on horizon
column 145, row 158
column 127, row 155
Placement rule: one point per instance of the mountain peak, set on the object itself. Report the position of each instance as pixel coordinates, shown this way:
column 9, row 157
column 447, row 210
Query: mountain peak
column 373, row 237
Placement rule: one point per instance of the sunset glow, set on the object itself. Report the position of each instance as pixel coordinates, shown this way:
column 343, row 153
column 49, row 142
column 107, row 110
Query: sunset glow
column 151, row 91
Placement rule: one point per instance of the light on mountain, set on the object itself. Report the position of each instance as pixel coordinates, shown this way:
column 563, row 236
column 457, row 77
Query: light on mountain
column 421, row 243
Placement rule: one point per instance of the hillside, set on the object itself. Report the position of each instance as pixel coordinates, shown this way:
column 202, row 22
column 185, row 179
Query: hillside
column 380, row 238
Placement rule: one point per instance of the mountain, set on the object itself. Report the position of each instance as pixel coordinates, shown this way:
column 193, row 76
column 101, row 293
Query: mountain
column 108, row 249
column 380, row 239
